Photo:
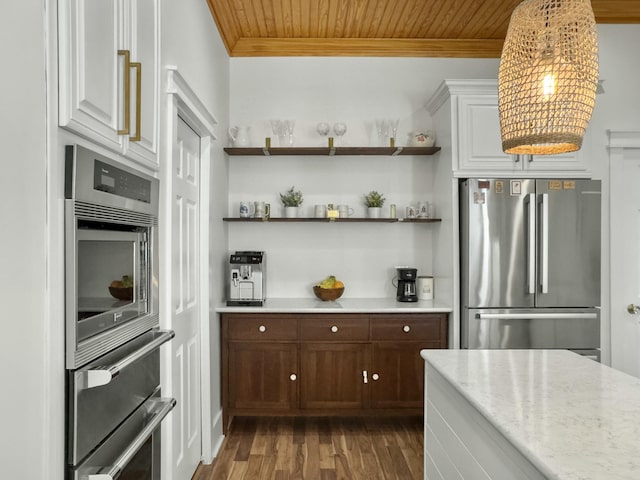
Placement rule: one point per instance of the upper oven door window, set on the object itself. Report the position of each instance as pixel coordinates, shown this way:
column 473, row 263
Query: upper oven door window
column 112, row 276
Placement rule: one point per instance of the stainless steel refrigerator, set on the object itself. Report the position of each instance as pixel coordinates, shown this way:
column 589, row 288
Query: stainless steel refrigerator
column 530, row 264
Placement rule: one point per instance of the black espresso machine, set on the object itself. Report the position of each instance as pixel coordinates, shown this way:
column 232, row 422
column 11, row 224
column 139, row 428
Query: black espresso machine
column 407, row 284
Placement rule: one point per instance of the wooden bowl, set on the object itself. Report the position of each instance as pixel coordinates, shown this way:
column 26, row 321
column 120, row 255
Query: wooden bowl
column 121, row 293
column 328, row 294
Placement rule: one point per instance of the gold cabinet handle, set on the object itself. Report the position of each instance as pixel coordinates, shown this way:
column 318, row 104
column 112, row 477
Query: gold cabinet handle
column 138, row 67
column 127, row 92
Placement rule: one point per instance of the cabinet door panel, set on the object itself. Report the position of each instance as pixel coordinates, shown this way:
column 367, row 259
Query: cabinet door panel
column 144, row 50
column 89, row 39
column 260, row 376
column 331, row 375
column 479, row 136
column 397, row 375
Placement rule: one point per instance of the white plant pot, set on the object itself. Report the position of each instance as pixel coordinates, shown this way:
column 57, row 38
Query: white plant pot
column 290, row 212
column 374, row 212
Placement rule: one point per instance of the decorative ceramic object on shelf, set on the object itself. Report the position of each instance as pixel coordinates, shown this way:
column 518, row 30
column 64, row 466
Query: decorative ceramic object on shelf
column 374, row 212
column 290, row 212
column 240, row 136
column 421, row 139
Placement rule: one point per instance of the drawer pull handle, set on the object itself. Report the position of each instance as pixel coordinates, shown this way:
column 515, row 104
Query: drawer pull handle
column 406, row 329
column 293, row 377
column 375, row 376
column 365, row 378
column 334, row 329
column 262, row 328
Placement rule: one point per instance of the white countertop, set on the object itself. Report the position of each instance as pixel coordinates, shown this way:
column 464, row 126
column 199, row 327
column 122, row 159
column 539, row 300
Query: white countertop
column 573, row 418
column 342, row 305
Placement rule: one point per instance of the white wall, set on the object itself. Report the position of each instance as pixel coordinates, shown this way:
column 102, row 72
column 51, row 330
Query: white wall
column 23, row 274
column 356, row 91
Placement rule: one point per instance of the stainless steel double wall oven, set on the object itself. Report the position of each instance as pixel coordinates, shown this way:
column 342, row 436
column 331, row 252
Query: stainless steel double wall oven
column 114, row 402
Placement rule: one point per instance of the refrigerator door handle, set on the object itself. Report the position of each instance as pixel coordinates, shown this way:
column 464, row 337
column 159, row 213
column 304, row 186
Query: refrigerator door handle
column 531, row 244
column 530, row 316
column 544, row 243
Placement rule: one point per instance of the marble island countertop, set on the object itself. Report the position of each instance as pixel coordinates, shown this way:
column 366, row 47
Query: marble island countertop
column 342, row 305
column 571, row 417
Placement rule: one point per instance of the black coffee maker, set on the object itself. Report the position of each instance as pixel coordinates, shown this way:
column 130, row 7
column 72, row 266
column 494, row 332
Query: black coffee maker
column 407, row 284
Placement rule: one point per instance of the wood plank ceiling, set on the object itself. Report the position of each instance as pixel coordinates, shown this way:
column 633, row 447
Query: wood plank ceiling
column 384, row 28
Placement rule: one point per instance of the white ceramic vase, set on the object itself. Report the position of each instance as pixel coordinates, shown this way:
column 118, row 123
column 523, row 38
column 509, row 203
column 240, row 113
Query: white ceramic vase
column 290, row 212
column 374, row 212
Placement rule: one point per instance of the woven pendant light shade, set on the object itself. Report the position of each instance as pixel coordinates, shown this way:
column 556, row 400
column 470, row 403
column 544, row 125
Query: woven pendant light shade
column 548, row 76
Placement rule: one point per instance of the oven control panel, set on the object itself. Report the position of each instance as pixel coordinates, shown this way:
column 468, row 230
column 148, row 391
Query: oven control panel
column 110, row 179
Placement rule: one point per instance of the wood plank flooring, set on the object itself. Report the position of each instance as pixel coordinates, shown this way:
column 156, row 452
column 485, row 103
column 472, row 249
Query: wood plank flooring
column 322, row 448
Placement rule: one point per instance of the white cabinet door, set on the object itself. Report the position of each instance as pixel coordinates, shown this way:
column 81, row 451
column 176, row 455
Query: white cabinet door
column 142, row 144
column 480, row 145
column 95, row 88
column 89, row 39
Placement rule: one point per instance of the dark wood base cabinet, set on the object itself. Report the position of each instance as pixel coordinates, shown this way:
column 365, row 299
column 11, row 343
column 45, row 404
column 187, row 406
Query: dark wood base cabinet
column 326, row 364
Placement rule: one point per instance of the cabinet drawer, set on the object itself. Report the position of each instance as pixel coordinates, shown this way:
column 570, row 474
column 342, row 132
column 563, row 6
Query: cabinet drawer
column 334, row 327
column 409, row 327
column 261, row 327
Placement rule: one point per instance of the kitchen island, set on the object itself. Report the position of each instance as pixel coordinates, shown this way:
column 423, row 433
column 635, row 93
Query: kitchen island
column 308, row 357
column 529, row 414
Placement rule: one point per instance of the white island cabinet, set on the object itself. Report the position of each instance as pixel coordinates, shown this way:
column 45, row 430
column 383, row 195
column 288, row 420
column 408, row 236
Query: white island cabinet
column 529, row 414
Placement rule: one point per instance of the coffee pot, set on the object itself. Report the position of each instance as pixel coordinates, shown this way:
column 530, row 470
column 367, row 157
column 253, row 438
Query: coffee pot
column 406, row 286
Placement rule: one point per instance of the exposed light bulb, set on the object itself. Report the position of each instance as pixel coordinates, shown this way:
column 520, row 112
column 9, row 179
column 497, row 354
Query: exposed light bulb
column 549, row 85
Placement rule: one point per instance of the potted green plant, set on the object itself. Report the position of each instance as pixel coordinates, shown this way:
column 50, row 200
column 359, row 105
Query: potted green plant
column 291, row 200
column 374, row 201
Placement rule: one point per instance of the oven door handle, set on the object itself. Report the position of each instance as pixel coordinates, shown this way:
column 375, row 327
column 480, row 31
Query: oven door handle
column 101, row 375
column 162, row 407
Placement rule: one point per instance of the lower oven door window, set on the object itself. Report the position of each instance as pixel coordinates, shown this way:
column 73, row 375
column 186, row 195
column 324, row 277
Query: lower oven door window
column 133, row 450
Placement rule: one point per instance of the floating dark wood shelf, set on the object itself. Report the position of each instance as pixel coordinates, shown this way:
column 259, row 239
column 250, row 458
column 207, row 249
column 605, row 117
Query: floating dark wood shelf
column 337, row 220
column 326, row 151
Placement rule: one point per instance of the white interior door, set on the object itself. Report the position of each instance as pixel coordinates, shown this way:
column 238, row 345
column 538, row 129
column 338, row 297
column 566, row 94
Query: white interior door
column 625, row 252
column 185, row 303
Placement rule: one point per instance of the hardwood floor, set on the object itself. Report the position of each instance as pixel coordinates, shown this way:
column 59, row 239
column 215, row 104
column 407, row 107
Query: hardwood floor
column 309, row 448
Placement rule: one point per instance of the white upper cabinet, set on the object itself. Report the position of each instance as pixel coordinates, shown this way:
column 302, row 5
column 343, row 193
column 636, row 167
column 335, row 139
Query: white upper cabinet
column 108, row 74
column 476, row 146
